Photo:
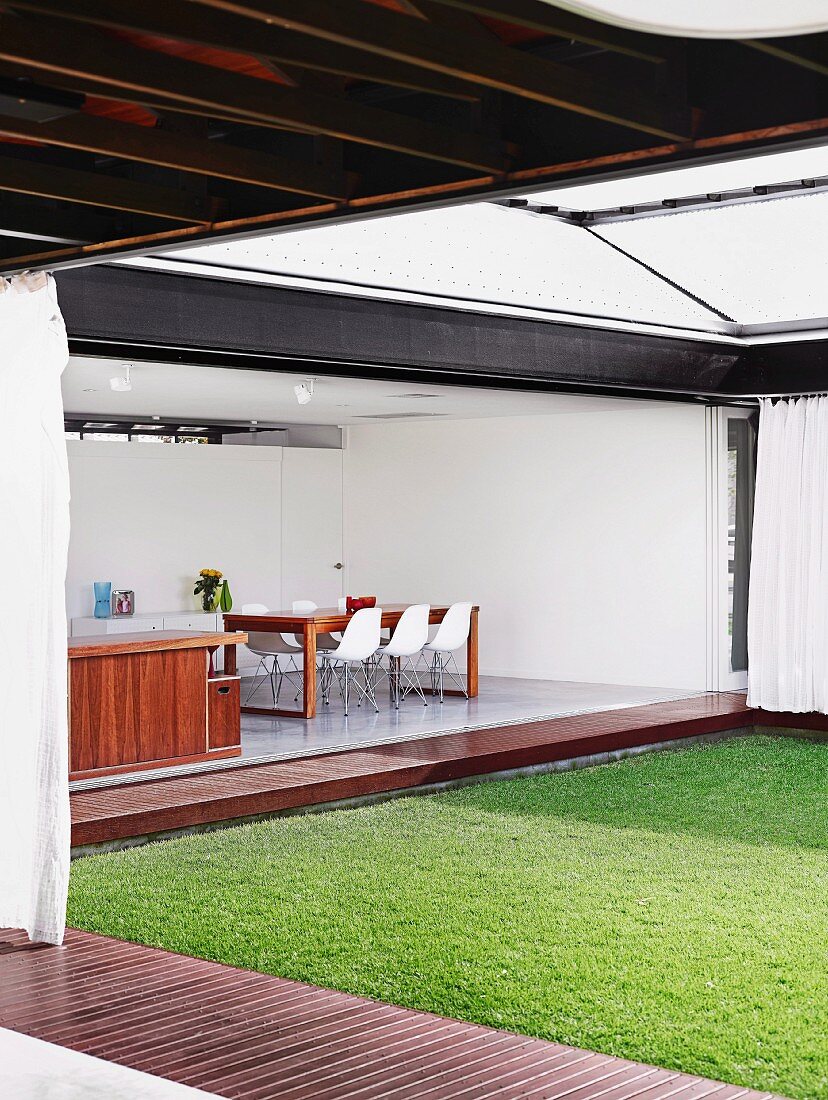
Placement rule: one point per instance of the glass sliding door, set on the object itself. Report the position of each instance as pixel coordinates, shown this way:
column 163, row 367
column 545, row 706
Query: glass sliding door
column 733, row 484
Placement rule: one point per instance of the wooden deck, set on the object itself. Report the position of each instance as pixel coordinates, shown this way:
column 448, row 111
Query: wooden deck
column 250, row 1036
column 153, row 806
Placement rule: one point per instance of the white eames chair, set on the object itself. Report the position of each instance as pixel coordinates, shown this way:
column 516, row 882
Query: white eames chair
column 360, row 642
column 403, row 650
column 323, row 641
column 452, row 634
column 266, row 645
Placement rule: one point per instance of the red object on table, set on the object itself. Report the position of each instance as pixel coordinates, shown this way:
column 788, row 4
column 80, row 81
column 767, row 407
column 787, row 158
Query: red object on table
column 356, row 603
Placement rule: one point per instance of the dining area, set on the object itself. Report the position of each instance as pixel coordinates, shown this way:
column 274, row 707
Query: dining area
column 305, row 521
column 354, row 650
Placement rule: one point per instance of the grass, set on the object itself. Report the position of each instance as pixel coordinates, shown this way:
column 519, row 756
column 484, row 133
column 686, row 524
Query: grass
column 672, row 908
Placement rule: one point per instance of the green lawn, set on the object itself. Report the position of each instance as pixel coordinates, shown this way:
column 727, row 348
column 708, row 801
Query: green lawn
column 671, row 908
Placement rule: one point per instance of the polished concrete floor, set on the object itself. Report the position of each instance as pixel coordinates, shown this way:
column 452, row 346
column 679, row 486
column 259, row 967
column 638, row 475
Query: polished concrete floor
column 501, row 699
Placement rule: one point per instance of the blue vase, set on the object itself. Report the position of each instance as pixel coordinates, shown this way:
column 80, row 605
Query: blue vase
column 103, row 595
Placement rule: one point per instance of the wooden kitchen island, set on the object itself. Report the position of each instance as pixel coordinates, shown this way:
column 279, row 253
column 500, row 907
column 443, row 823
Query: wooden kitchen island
column 149, row 700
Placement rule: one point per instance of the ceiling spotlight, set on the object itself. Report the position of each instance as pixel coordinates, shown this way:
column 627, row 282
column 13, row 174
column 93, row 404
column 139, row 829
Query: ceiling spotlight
column 304, row 391
column 121, row 384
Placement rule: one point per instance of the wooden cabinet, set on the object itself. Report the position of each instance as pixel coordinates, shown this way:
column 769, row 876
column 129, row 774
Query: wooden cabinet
column 144, row 700
column 132, row 707
column 223, row 712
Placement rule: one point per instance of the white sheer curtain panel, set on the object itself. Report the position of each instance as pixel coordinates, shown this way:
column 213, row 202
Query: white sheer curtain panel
column 788, row 602
column 34, row 505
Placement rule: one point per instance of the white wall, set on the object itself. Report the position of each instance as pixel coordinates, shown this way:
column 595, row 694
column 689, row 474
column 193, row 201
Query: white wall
column 148, row 516
column 581, row 535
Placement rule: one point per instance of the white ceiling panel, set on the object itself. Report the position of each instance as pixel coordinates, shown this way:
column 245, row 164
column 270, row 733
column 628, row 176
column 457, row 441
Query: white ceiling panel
column 474, row 253
column 758, row 262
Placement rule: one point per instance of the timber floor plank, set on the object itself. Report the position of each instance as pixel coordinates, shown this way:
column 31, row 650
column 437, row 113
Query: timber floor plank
column 250, row 1036
column 156, row 805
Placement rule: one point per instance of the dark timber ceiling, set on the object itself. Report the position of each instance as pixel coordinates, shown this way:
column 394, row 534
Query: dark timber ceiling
column 132, row 124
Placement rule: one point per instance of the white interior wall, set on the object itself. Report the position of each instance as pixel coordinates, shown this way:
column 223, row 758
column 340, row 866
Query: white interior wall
column 148, row 517
column 581, row 535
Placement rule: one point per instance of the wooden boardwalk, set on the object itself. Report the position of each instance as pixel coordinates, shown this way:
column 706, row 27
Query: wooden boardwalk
column 156, row 805
column 250, row 1036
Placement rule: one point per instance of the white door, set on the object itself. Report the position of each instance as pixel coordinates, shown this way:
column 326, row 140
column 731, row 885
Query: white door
column 312, row 566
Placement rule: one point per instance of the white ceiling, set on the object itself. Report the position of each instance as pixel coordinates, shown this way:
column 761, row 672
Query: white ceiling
column 761, row 263
column 175, row 390
column 476, row 253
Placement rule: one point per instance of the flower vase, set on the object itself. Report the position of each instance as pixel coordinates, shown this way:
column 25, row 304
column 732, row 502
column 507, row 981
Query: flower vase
column 225, row 599
column 208, row 601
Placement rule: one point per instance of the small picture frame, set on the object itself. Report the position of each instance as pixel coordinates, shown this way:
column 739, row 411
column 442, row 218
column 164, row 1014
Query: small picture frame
column 123, row 601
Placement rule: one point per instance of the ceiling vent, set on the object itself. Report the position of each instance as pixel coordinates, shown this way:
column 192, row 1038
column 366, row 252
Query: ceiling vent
column 415, row 396
column 396, row 416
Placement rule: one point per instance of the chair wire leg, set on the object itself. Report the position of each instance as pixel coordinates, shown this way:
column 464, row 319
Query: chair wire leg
column 280, row 676
column 369, row 693
column 431, row 669
column 456, row 676
column 258, row 679
column 324, row 681
column 410, row 680
column 292, row 674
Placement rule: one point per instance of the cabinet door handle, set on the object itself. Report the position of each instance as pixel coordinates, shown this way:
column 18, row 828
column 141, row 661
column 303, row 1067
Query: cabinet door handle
column 224, row 691
column 338, row 565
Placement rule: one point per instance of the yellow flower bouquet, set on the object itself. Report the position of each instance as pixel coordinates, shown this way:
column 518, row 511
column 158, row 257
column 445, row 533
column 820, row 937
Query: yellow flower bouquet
column 208, row 584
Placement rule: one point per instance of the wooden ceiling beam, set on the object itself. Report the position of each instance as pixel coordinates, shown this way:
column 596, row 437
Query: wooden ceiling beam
column 26, row 177
column 806, row 51
column 56, row 47
column 224, row 30
column 469, row 189
column 153, row 101
column 539, row 16
column 400, row 37
column 166, row 149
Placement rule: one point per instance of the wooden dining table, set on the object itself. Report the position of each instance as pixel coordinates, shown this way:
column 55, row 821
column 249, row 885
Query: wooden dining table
column 325, row 620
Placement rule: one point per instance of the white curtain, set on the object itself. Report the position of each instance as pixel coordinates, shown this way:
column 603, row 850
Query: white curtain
column 788, row 603
column 34, row 513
